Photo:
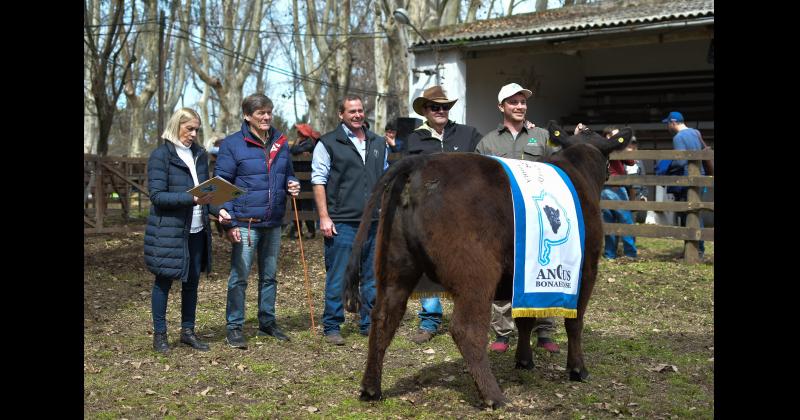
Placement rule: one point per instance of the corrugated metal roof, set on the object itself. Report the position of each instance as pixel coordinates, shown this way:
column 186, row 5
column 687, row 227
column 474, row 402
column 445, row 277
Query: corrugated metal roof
column 604, row 14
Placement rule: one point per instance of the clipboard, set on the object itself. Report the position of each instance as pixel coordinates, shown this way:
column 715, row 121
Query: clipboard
column 222, row 189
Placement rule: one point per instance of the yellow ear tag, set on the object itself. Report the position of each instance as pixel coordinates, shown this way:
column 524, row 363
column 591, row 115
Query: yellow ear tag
column 557, row 133
column 621, row 140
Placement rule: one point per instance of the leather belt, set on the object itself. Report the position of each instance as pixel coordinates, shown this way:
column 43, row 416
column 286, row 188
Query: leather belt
column 249, row 220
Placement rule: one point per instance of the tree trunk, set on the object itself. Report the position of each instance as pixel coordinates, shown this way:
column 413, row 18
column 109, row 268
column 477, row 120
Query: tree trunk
column 241, row 48
column 395, row 60
column 308, row 68
column 144, row 78
column 137, row 110
column 450, row 12
column 472, row 10
column 89, row 115
column 108, row 72
column 383, row 69
column 175, row 77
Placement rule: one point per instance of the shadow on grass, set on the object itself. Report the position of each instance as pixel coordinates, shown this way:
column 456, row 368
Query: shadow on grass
column 613, row 361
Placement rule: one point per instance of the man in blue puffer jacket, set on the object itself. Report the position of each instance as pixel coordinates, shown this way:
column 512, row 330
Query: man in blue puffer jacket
column 257, row 160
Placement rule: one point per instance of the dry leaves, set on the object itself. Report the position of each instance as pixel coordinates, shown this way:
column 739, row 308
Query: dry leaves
column 663, row 367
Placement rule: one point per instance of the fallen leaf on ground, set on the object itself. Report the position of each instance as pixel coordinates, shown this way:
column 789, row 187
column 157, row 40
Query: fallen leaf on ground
column 662, row 367
column 149, row 391
column 206, row 391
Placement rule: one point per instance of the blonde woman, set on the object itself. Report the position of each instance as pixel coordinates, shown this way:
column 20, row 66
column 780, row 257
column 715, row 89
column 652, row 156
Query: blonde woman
column 177, row 240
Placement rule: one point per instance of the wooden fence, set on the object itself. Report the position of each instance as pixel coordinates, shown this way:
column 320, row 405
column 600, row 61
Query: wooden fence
column 113, row 180
column 127, row 178
column 691, row 234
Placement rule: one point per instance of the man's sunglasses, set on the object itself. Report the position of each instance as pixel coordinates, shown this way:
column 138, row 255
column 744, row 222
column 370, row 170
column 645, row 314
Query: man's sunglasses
column 437, row 108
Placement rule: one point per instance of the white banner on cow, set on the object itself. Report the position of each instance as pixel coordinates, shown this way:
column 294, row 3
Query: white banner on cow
column 548, row 240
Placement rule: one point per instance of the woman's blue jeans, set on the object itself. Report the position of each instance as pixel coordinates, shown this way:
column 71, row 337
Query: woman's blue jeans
column 265, row 244
column 161, row 286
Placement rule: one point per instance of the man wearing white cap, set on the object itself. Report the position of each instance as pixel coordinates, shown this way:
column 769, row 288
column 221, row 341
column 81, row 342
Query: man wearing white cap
column 514, row 140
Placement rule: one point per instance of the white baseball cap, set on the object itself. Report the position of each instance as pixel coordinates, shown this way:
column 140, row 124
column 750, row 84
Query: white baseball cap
column 512, row 89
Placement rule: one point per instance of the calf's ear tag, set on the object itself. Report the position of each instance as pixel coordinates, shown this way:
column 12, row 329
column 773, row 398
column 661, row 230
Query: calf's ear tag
column 556, row 133
column 621, row 140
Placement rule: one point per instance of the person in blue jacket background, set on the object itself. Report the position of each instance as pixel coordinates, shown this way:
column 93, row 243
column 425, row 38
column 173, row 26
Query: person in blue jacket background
column 684, row 138
column 256, row 159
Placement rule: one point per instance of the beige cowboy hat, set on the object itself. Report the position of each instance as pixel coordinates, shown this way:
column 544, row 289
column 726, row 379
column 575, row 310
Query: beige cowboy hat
column 432, row 94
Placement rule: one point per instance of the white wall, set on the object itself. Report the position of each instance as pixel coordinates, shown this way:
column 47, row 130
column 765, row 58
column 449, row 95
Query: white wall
column 556, row 79
column 452, row 77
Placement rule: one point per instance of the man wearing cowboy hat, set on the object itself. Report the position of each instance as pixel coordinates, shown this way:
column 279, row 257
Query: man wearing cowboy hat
column 437, row 134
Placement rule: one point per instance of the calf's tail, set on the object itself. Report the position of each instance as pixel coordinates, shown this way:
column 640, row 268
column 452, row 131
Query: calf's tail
column 390, row 183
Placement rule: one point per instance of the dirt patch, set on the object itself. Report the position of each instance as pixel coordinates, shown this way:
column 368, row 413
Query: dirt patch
column 648, row 343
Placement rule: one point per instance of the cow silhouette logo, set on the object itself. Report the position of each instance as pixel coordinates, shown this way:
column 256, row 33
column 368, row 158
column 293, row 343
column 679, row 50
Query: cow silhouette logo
column 553, row 217
column 550, row 209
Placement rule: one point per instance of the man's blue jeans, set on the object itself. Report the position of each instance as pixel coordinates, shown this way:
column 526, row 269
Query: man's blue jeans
column 617, row 216
column 430, row 317
column 161, row 286
column 265, row 243
column 337, row 254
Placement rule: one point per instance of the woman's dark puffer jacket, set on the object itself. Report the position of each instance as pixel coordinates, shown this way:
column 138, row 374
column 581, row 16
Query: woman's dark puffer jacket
column 166, row 237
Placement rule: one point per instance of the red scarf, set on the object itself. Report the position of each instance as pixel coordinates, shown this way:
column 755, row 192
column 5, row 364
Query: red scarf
column 276, row 147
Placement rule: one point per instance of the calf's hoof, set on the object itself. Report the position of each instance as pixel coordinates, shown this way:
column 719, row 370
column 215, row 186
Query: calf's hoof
column 495, row 404
column 367, row 395
column 524, row 364
column 578, row 375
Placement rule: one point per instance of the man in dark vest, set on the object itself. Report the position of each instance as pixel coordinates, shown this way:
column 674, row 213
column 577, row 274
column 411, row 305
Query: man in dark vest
column 346, row 164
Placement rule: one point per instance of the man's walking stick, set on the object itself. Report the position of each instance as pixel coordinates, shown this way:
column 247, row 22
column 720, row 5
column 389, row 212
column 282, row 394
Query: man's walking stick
column 305, row 267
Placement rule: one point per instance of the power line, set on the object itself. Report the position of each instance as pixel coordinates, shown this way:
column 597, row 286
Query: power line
column 288, row 73
column 368, row 35
column 222, row 50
